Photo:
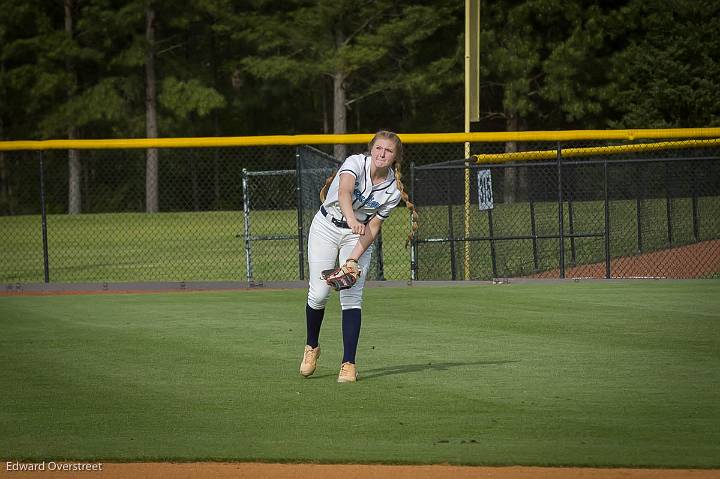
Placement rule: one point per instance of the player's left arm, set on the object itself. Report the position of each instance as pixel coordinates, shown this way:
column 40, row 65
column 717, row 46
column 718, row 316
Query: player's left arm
column 346, row 275
column 371, row 231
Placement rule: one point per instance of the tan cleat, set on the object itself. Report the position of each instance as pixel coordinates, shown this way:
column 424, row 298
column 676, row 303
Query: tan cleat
column 348, row 373
column 309, row 362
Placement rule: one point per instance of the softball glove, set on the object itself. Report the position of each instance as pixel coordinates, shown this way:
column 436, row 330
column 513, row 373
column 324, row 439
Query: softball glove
column 342, row 277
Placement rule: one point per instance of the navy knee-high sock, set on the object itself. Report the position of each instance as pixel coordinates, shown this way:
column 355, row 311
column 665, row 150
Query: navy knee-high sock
column 351, row 319
column 314, row 319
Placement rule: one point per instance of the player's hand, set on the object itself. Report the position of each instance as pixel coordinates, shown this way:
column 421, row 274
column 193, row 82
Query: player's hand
column 357, row 227
column 343, row 277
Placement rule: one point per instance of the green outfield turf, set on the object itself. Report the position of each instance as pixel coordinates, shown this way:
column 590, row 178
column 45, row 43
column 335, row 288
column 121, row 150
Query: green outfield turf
column 572, row 373
column 210, row 246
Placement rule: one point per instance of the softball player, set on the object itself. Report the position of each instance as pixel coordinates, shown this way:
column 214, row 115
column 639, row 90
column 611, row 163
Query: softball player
column 359, row 198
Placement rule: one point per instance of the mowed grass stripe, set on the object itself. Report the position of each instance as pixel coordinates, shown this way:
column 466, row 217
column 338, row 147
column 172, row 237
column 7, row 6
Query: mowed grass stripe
column 573, row 373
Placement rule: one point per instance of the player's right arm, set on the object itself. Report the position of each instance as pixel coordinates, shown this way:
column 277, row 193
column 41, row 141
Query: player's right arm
column 345, row 190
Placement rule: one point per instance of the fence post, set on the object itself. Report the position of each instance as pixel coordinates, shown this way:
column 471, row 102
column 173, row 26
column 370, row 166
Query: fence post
column 491, row 233
column 561, row 220
column 298, row 196
column 451, row 228
column 533, row 231
column 695, row 217
column 607, row 220
column 380, row 262
column 246, row 215
column 638, row 206
column 413, row 245
column 668, row 205
column 571, row 220
column 43, row 215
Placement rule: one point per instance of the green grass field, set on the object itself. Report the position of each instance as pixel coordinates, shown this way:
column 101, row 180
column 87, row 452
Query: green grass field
column 209, row 246
column 571, row 373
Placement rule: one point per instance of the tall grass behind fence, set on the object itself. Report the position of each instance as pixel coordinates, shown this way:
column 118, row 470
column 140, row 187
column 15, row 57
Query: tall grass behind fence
column 548, row 217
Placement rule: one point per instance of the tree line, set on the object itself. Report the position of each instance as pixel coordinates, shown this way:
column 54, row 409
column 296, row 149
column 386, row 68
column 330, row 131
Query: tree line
column 149, row 68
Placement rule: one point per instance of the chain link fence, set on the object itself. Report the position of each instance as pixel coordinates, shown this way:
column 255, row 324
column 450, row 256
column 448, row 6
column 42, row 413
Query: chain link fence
column 602, row 213
column 197, row 235
column 242, row 213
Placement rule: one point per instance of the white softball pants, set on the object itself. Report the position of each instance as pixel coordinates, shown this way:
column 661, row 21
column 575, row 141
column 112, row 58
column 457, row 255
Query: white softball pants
column 328, row 244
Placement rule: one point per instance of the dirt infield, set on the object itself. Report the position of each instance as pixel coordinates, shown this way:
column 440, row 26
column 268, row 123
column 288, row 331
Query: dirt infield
column 698, row 260
column 326, row 471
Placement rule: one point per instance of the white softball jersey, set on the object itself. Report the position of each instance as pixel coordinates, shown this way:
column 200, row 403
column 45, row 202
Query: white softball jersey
column 368, row 200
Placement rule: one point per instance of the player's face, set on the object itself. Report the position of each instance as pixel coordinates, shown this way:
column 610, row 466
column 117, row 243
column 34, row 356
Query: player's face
column 383, row 153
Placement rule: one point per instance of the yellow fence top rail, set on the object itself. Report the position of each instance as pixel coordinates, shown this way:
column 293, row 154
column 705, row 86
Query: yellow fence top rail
column 594, row 151
column 292, row 140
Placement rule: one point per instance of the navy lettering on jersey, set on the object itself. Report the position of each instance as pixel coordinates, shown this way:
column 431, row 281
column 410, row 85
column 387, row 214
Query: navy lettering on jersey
column 365, row 201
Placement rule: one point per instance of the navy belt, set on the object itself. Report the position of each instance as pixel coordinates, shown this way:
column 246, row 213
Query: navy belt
column 335, row 221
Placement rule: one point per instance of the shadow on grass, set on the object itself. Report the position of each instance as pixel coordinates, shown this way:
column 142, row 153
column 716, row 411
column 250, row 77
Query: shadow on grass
column 417, row 368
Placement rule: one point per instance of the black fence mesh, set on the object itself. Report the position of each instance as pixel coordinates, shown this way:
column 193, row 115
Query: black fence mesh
column 597, row 214
column 197, row 235
column 241, row 214
column 270, row 223
column 314, row 168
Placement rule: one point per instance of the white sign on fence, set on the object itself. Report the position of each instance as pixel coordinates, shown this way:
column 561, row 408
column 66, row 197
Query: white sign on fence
column 485, row 196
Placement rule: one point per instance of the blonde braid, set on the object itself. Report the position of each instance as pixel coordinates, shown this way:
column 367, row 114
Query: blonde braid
column 326, row 186
column 408, row 203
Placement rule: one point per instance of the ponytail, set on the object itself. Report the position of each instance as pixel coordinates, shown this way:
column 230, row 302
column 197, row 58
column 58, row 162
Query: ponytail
column 408, row 204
